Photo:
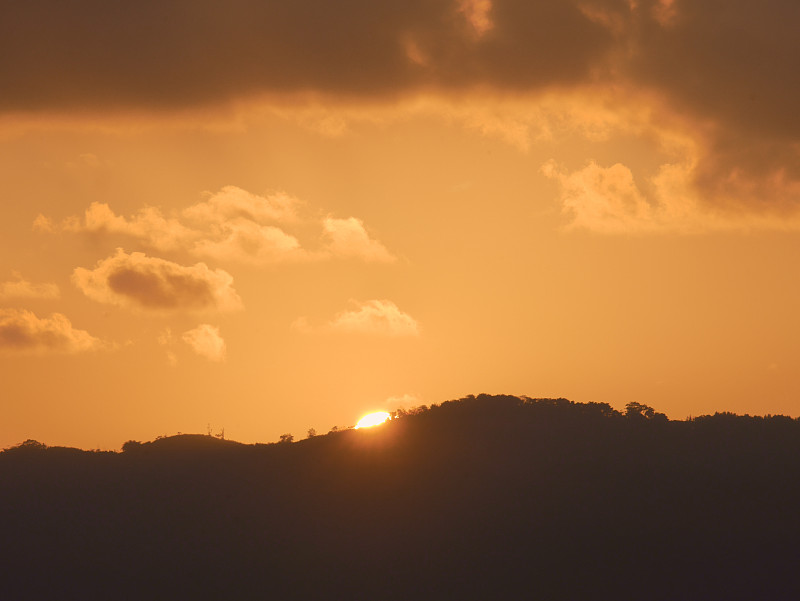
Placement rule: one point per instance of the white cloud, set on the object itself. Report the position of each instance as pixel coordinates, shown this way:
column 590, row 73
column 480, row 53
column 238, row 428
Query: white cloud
column 21, row 331
column 138, row 281
column 206, row 341
column 380, row 317
column 347, row 238
column 21, row 288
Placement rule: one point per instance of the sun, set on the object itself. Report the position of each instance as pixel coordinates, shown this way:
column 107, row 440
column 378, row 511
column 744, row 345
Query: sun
column 373, row 419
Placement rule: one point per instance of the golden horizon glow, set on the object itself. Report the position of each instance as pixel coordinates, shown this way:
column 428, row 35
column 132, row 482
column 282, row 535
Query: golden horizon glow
column 373, row 419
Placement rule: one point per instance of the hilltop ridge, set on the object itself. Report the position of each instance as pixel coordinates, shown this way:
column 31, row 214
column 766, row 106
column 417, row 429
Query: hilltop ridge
column 484, row 497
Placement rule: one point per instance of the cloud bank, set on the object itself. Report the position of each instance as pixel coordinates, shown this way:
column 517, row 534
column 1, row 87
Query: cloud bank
column 184, row 53
column 721, row 72
column 23, row 332
column 148, row 283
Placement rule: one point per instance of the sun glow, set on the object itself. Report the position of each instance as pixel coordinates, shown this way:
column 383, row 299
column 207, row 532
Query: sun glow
column 373, row 419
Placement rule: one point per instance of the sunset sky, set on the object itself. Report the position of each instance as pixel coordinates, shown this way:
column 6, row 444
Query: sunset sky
column 274, row 215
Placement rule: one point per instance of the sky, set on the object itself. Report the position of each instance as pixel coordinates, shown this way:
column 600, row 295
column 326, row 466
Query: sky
column 269, row 216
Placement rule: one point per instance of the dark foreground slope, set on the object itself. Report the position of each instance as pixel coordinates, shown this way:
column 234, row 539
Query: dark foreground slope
column 483, row 498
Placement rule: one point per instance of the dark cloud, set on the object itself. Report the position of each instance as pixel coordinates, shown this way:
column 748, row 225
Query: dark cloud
column 733, row 61
column 730, row 67
column 174, row 53
column 138, row 281
column 153, row 288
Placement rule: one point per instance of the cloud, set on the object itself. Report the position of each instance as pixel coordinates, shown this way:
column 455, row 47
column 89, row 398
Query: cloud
column 93, row 58
column 733, row 80
column 23, row 332
column 228, row 225
column 166, row 339
column 381, row 317
column 605, row 200
column 206, row 341
column 723, row 73
column 739, row 69
column 149, row 226
column 608, row 200
column 246, row 241
column 21, row 288
column 478, row 14
column 302, row 325
column 347, row 238
column 152, row 284
column 232, row 202
column 232, row 225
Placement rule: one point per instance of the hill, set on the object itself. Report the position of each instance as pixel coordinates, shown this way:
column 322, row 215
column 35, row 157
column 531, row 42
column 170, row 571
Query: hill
column 488, row 497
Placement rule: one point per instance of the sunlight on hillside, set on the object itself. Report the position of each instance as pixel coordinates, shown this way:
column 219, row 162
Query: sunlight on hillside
column 373, row 419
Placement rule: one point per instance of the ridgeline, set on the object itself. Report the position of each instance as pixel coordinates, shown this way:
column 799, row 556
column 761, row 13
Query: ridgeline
column 488, row 497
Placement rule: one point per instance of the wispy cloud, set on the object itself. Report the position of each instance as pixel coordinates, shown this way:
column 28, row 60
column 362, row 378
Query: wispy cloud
column 21, row 288
column 21, row 331
column 478, row 15
column 379, row 317
column 166, row 339
column 137, row 281
column 232, row 202
column 243, row 241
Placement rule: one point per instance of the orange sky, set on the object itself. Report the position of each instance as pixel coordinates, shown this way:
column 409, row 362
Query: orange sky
column 277, row 216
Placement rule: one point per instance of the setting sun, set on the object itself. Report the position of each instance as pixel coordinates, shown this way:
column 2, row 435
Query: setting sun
column 373, row 419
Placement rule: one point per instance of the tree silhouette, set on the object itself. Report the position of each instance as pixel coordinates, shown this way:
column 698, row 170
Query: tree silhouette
column 635, row 410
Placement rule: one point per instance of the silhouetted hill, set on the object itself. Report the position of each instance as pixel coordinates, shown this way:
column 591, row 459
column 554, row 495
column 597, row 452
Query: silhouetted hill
column 488, row 497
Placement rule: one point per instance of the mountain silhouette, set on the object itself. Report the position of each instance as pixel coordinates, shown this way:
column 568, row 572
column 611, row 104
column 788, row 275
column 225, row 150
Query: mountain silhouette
column 486, row 497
